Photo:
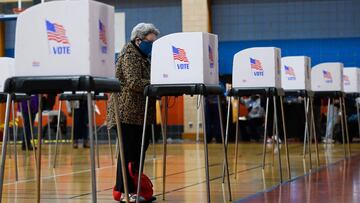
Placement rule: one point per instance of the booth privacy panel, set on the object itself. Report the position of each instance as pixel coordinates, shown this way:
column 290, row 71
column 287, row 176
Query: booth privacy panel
column 351, row 80
column 257, row 68
column 185, row 58
column 295, row 73
column 327, row 77
column 65, row 38
column 6, row 70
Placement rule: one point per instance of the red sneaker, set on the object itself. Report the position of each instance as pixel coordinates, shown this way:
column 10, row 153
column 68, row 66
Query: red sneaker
column 146, row 187
column 116, row 195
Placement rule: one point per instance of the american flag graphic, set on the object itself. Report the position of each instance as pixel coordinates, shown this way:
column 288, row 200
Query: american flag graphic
column 179, row 54
column 56, row 32
column 289, row 71
column 211, row 56
column 102, row 33
column 346, row 80
column 327, row 75
column 256, row 64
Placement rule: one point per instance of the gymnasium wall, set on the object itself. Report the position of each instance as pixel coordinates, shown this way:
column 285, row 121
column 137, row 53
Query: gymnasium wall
column 325, row 30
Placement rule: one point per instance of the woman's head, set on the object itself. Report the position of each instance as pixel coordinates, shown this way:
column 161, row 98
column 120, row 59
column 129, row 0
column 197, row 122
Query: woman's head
column 144, row 31
column 143, row 35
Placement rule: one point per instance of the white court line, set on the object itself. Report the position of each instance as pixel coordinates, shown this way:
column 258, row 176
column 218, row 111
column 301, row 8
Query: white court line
column 76, row 172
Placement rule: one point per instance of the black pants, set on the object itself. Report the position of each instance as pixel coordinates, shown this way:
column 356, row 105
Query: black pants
column 27, row 128
column 81, row 121
column 132, row 149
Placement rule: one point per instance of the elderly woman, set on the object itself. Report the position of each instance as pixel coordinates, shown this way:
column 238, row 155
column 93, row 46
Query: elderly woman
column 133, row 71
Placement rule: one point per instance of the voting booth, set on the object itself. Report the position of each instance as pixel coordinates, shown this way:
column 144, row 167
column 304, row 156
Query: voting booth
column 6, row 70
column 351, row 80
column 327, row 77
column 185, row 64
column 256, row 71
column 64, row 46
column 327, row 82
column 51, row 41
column 185, row 58
column 295, row 73
column 257, row 67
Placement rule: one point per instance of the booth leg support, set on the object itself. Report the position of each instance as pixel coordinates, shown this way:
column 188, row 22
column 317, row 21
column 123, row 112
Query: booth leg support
column 92, row 152
column 4, row 144
column 15, row 141
column 224, row 147
column 226, row 135
column 57, row 135
column 265, row 132
column 285, row 138
column 142, row 154
column 38, row 161
column 206, row 153
column 121, row 151
column 278, row 139
column 237, row 136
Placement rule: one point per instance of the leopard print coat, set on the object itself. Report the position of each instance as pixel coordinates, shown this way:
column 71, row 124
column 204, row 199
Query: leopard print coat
column 133, row 71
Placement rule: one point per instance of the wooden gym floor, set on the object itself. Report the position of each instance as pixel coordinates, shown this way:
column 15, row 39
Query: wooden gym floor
column 70, row 181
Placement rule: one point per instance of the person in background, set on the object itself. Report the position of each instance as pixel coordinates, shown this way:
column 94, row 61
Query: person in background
column 133, row 71
column 255, row 116
column 34, row 104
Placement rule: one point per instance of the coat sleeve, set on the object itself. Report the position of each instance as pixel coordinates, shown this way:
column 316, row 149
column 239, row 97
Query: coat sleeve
column 133, row 75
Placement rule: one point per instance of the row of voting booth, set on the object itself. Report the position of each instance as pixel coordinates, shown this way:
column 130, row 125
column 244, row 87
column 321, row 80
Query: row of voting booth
column 73, row 51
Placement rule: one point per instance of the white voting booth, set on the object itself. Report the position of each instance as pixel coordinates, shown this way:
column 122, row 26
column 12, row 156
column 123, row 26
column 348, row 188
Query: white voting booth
column 185, row 58
column 327, row 77
column 64, row 39
column 295, row 73
column 257, row 67
column 257, row 71
column 327, row 81
column 51, row 41
column 6, row 70
column 185, row 64
column 351, row 80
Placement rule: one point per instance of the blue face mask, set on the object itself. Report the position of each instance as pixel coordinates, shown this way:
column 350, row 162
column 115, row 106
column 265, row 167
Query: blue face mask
column 145, row 47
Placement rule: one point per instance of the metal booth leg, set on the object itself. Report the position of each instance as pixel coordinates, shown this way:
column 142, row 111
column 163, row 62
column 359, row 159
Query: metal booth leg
column 38, row 161
column 96, row 138
column 31, row 130
column 142, row 154
column 165, row 146
column 224, row 147
column 15, row 141
column 110, row 146
column 57, row 134
column 153, row 140
column 5, row 140
column 92, row 152
column 24, row 131
column 72, row 126
column 278, row 139
column 313, row 134
column 342, row 125
column 307, row 132
column 285, row 138
column 121, row 151
column 206, row 152
column 226, row 134
column 346, row 127
column 236, row 136
column 198, row 110
column 265, row 132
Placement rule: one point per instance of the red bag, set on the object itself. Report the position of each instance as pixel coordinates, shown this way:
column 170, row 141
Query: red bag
column 146, row 187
